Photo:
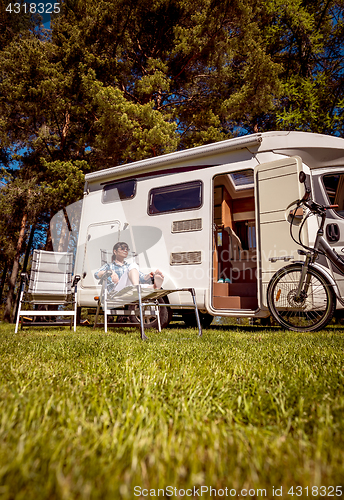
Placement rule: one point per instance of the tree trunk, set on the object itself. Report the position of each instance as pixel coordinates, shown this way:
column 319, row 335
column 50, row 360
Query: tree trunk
column 8, row 308
column 3, row 279
column 28, row 248
column 26, row 260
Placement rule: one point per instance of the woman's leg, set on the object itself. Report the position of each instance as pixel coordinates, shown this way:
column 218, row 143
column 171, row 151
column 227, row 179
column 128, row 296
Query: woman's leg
column 123, row 282
column 128, row 278
column 134, row 276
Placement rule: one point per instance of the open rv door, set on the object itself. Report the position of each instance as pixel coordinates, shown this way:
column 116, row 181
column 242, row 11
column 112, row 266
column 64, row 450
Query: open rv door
column 276, row 187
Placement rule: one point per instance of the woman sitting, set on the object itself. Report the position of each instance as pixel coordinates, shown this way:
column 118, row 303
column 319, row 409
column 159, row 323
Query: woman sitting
column 124, row 274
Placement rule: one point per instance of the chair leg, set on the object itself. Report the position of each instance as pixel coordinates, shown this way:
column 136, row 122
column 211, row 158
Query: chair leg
column 75, row 311
column 17, row 323
column 192, row 290
column 142, row 328
column 157, row 310
column 18, row 312
column 97, row 314
column 105, row 310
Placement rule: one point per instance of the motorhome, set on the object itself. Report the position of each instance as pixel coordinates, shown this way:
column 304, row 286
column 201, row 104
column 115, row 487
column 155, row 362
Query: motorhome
column 215, row 217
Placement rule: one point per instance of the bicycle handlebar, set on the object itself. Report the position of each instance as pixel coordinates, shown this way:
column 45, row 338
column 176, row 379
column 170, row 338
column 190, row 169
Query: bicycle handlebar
column 316, row 208
column 307, row 195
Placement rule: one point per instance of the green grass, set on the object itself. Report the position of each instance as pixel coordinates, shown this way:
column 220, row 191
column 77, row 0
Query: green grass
column 91, row 415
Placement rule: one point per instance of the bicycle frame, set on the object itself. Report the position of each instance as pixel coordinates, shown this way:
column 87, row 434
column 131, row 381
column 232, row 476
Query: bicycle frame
column 320, row 246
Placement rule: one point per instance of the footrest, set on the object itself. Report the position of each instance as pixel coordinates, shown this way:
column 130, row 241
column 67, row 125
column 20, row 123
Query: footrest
column 144, row 297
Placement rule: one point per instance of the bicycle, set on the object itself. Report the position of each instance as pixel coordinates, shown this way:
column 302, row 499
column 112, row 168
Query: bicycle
column 302, row 296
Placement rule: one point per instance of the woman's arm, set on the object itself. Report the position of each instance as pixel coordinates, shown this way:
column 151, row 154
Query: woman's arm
column 114, row 277
column 146, row 278
column 101, row 271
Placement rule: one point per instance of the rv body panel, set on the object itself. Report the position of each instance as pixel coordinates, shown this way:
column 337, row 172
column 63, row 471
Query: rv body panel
column 189, row 244
column 177, row 242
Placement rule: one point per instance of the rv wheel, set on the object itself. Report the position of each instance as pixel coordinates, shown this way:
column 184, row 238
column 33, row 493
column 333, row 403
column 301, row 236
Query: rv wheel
column 189, row 319
column 151, row 321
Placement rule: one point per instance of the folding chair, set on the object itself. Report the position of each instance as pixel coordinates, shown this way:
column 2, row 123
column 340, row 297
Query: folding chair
column 50, row 284
column 105, row 256
column 142, row 296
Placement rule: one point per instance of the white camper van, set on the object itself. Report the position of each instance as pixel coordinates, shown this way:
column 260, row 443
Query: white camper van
column 215, row 218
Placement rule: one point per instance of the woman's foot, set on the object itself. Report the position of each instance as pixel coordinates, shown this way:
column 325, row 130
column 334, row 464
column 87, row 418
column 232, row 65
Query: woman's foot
column 158, row 279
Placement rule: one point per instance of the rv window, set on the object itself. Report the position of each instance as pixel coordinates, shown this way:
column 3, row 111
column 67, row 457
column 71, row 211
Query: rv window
column 175, row 198
column 334, row 186
column 119, row 191
column 242, row 179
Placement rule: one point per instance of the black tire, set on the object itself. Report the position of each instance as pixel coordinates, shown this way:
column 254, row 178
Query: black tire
column 189, row 319
column 151, row 321
column 312, row 312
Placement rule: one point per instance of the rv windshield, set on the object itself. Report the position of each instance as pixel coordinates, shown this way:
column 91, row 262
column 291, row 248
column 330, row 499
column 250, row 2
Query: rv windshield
column 174, row 198
column 334, row 186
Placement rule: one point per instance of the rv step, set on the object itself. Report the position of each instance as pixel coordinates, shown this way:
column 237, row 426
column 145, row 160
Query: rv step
column 242, row 264
column 243, row 272
column 236, row 289
column 235, row 302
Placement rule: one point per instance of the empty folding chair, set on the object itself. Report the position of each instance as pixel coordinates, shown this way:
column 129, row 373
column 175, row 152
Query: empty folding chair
column 50, row 284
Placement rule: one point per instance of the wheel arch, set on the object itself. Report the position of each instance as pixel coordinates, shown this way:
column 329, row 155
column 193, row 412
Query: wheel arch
column 319, row 268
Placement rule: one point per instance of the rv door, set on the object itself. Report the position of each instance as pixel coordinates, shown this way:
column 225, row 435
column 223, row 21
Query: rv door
column 277, row 186
column 98, row 249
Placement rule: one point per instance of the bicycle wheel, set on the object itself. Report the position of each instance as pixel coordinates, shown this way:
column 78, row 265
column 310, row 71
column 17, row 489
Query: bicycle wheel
column 312, row 311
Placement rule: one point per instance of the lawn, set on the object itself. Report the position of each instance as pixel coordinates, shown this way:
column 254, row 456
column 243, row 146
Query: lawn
column 106, row 416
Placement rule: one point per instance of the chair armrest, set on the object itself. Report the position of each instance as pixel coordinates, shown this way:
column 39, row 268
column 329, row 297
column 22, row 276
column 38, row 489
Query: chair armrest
column 106, row 275
column 76, row 280
column 24, row 277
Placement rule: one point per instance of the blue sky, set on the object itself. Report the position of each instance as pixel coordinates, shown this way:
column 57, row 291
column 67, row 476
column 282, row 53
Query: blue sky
column 48, row 5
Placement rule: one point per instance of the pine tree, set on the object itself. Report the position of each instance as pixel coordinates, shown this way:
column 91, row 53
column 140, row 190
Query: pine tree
column 306, row 38
column 202, row 65
column 120, row 80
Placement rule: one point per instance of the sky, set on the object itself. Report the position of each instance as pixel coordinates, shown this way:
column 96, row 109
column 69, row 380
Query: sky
column 48, row 6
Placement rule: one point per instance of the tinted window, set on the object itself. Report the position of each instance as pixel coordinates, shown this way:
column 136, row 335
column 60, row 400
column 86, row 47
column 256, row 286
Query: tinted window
column 243, row 178
column 119, row 191
column 334, row 186
column 175, row 198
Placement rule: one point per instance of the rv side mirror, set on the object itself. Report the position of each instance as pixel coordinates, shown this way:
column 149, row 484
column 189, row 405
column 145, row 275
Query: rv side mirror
column 302, row 177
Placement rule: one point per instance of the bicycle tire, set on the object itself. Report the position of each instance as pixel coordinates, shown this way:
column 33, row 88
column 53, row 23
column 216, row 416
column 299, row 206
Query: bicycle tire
column 313, row 312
